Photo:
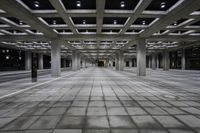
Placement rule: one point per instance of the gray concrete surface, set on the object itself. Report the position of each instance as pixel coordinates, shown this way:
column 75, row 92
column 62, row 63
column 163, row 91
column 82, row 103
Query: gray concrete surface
column 99, row 100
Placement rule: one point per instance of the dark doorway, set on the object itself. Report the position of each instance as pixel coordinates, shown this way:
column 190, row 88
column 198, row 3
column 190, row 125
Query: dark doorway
column 100, row 63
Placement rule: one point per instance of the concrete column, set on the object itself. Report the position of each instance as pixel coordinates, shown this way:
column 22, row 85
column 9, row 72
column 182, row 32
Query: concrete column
column 64, row 63
column 79, row 61
column 157, row 61
column 148, row 61
column 183, row 60
column 75, row 61
column 121, row 61
column 70, row 63
column 84, row 63
column 28, row 60
column 141, row 57
column 40, row 61
column 134, row 62
column 166, row 61
column 153, row 60
column 130, row 63
column 55, row 58
column 117, row 61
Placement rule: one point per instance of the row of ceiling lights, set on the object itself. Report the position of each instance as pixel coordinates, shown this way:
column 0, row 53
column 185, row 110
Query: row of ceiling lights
column 78, row 4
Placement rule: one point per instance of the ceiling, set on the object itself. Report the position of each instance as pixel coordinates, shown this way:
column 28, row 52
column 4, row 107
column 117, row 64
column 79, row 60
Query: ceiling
column 99, row 28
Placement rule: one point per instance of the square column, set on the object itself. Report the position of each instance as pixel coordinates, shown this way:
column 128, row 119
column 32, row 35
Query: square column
column 134, row 62
column 130, row 63
column 40, row 61
column 84, row 63
column 141, row 58
column 28, row 60
column 107, row 63
column 117, row 61
column 157, row 61
column 166, row 61
column 121, row 61
column 55, row 58
column 79, row 61
column 75, row 61
column 153, row 60
column 183, row 60
column 149, row 61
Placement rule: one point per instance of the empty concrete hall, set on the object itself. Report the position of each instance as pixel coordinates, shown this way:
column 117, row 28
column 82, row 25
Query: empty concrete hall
column 99, row 66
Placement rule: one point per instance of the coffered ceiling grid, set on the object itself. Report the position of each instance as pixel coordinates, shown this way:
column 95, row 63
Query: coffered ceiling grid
column 99, row 28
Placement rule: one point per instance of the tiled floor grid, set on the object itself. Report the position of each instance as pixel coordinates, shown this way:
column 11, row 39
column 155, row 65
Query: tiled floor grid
column 106, row 101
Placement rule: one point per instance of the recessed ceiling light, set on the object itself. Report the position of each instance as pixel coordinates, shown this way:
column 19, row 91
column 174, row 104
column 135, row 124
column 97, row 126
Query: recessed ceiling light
column 175, row 23
column 115, row 21
column 7, row 57
column 143, row 22
column 122, row 4
column 54, row 22
column 84, row 21
column 36, row 4
column 162, row 5
column 78, row 3
column 20, row 22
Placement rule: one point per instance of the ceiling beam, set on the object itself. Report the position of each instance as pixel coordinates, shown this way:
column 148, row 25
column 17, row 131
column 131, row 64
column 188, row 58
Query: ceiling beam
column 142, row 5
column 57, row 4
column 100, row 5
column 173, row 38
column 181, row 11
column 12, row 7
column 98, row 36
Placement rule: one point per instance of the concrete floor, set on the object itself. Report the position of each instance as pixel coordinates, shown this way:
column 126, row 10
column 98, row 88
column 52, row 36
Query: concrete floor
column 98, row 100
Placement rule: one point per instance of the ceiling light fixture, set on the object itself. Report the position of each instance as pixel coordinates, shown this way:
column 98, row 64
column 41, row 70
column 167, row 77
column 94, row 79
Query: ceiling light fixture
column 20, row 22
column 163, row 5
column 7, row 57
column 78, row 3
column 36, row 4
column 122, row 4
column 84, row 21
column 175, row 23
column 143, row 22
column 115, row 21
column 54, row 22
